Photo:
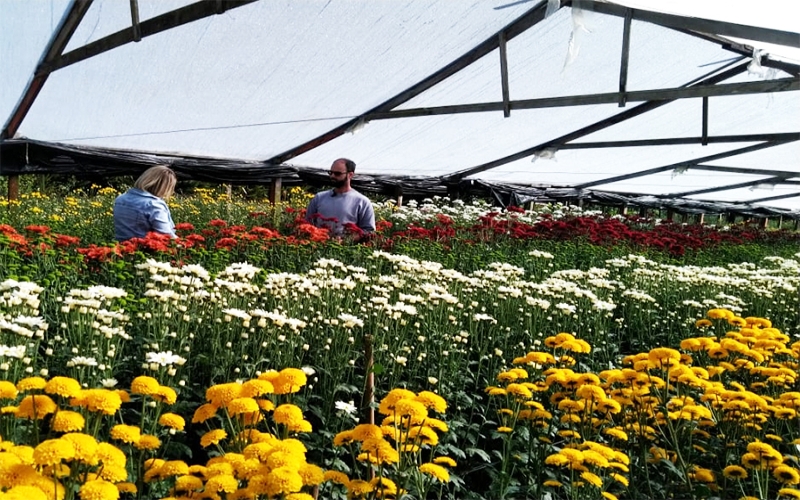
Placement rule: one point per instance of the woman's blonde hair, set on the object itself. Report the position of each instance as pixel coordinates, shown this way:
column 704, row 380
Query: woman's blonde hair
column 159, row 181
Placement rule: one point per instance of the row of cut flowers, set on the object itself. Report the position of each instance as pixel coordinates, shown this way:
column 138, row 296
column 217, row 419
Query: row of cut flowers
column 715, row 416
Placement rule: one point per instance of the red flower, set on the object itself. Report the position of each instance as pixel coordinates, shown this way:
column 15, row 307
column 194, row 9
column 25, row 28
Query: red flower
column 382, row 225
column 184, row 226
column 62, row 240
column 37, row 229
column 218, row 223
column 514, row 208
column 265, row 233
column 227, row 243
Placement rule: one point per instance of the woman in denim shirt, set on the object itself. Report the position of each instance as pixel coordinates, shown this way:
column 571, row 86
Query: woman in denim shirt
column 143, row 208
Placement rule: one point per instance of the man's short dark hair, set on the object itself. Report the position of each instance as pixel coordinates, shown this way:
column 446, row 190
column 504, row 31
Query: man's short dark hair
column 350, row 165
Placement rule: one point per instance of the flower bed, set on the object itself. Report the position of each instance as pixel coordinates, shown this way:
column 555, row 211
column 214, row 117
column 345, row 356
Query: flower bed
column 609, row 373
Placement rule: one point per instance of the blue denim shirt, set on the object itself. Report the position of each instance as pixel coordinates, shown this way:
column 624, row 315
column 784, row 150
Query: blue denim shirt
column 138, row 212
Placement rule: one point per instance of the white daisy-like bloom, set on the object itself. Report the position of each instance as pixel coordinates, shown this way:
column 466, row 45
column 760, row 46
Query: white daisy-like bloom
column 309, row 371
column 164, row 358
column 537, row 302
column 16, row 351
column 237, row 313
column 198, row 271
column 82, row 361
column 484, row 317
column 349, row 321
column 638, row 295
column 15, row 328
column 600, row 305
column 541, row 255
column 565, row 308
column 347, row 407
column 108, row 383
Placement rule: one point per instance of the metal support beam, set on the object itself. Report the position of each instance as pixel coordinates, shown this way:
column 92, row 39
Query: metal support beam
column 688, row 163
column 720, row 139
column 769, row 180
column 520, row 25
column 137, row 31
column 164, row 22
column 774, row 198
column 714, row 77
column 777, row 37
column 786, row 174
column 69, row 23
column 705, row 121
column 504, row 73
column 724, row 89
column 623, row 69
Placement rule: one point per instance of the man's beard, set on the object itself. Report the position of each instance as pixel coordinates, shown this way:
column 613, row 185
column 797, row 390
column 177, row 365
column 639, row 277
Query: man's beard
column 337, row 183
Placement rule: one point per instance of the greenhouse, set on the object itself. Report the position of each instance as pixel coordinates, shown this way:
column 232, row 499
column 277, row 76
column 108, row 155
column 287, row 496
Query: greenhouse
column 578, row 277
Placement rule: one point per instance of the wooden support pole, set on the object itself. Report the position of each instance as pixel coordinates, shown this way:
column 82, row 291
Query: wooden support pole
column 398, row 196
column 624, row 210
column 368, row 415
column 780, row 221
column 13, row 187
column 670, row 214
column 763, row 223
column 796, row 224
column 275, row 190
column 701, row 218
column 643, row 211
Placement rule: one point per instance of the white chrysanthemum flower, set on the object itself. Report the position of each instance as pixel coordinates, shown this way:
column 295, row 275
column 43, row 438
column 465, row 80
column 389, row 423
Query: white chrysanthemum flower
column 82, row 361
column 164, row 358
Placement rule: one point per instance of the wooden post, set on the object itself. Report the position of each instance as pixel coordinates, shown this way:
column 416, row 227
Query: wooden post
column 624, row 210
column 780, row 221
column 701, row 218
column 643, row 211
column 764, row 222
column 670, row 214
column 796, row 224
column 275, row 190
column 398, row 193
column 13, row 188
column 369, row 385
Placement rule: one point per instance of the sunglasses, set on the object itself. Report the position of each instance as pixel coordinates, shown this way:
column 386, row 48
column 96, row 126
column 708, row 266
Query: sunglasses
column 335, row 173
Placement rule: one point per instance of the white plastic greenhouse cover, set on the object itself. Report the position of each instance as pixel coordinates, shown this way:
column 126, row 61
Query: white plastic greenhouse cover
column 259, row 81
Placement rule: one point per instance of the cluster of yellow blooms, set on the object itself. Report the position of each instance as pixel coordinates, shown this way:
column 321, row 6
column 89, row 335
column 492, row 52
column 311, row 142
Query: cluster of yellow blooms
column 398, row 444
column 75, row 460
column 722, row 393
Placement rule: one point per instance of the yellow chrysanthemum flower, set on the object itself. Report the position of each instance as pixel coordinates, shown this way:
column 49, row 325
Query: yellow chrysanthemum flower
column 204, row 412
column 172, row 421
column 35, row 407
column 221, row 394
column 68, row 421
column 245, row 405
column 336, row 477
column 129, row 434
column 144, row 385
column 433, row 401
column 8, row 390
column 289, row 381
column 222, row 483
column 63, row 386
column 283, row 480
column 212, row 437
column 52, row 452
column 110, row 455
column 257, row 387
column 98, row 489
column 148, row 442
column 31, row 384
column 445, row 461
column 85, row 447
column 436, row 471
column 188, row 483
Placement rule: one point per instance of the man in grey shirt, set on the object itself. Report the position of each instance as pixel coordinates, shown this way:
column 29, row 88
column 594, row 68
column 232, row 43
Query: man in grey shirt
column 342, row 208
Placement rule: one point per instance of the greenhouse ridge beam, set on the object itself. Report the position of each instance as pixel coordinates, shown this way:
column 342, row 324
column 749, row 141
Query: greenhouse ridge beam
column 184, row 15
column 766, row 35
column 722, row 89
column 738, row 170
column 688, row 163
column 513, row 29
column 719, row 139
column 775, row 198
column 710, row 78
column 769, row 180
